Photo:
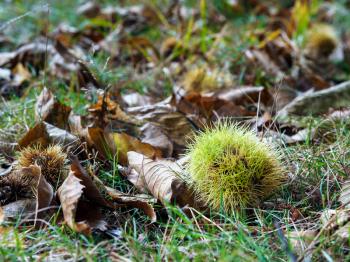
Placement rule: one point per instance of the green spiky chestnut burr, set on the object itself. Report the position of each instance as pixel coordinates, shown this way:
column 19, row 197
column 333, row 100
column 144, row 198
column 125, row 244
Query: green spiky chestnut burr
column 231, row 168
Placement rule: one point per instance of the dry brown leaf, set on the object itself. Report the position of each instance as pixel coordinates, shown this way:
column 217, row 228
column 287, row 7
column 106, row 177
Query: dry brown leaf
column 245, row 95
column 139, row 45
column 89, row 9
column 21, row 74
column 319, row 102
column 76, row 125
column 81, row 214
column 203, row 109
column 123, row 199
column 42, row 190
column 48, row 109
column 28, row 54
column 90, row 190
column 133, row 201
column 46, row 134
column 69, row 194
column 136, row 99
column 106, row 110
column 299, row 137
column 155, row 136
column 102, row 141
column 172, row 124
column 126, row 143
column 161, row 178
column 153, row 177
column 13, row 82
column 282, row 96
column 111, row 144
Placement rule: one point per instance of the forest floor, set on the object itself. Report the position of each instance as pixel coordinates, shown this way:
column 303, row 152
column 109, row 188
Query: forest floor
column 104, row 78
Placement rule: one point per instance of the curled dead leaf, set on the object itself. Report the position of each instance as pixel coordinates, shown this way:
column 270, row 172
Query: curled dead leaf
column 81, row 214
column 202, row 109
column 48, row 109
column 45, row 134
column 106, row 110
column 162, row 179
column 90, row 189
column 245, row 95
column 174, row 125
column 118, row 144
column 155, row 136
column 133, row 201
column 126, row 143
column 42, row 190
column 319, row 102
column 69, row 194
column 123, row 199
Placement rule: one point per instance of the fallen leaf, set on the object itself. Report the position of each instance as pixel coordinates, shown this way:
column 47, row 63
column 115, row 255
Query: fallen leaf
column 136, row 99
column 69, row 194
column 21, row 74
column 30, row 54
column 65, row 62
column 319, row 102
column 14, row 82
column 133, row 201
column 89, row 9
column 45, row 134
column 245, row 95
column 102, row 141
column 172, row 124
column 301, row 136
column 42, row 190
column 126, row 143
column 48, row 109
column 81, row 214
column 161, row 178
column 123, row 199
column 106, row 110
column 204, row 109
column 118, row 144
column 90, row 190
column 155, row 136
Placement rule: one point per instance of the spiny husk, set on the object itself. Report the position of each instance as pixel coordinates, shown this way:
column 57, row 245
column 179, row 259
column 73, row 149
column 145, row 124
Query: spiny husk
column 231, row 168
column 50, row 159
column 16, row 185
column 321, row 41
